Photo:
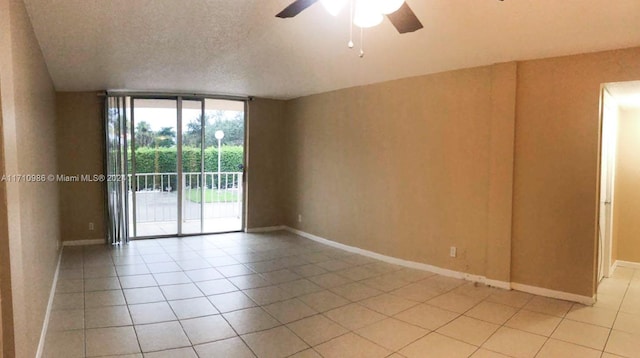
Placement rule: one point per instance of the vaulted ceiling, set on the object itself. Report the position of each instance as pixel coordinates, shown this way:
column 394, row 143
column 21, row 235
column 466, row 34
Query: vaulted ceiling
column 239, row 47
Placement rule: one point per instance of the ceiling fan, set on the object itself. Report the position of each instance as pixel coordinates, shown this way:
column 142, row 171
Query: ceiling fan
column 401, row 16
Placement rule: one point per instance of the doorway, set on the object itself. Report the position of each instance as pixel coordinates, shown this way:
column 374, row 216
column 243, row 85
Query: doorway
column 185, row 166
column 618, row 227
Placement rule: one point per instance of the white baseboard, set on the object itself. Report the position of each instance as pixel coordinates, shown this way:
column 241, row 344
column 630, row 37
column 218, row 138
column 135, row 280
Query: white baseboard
column 449, row 273
column 52, row 293
column 264, row 229
column 498, row 284
column 83, row 242
column 406, row 263
column 586, row 300
column 628, row 264
column 613, row 267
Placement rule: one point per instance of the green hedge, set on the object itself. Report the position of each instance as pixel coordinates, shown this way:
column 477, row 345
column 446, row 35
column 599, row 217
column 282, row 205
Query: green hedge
column 164, row 160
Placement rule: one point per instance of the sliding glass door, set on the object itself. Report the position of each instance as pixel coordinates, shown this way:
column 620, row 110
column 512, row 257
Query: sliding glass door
column 186, row 166
column 154, row 163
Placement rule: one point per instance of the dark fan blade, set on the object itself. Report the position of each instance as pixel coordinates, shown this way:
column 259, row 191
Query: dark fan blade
column 295, row 8
column 405, row 20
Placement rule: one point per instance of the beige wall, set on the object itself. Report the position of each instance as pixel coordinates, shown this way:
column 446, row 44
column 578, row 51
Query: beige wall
column 80, row 151
column 6, row 305
column 408, row 168
column 503, row 105
column 28, row 130
column 556, row 167
column 626, row 227
column 265, row 162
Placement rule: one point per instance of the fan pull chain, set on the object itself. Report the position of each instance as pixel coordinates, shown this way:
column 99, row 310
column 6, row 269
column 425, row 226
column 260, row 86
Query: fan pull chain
column 361, row 42
column 350, row 43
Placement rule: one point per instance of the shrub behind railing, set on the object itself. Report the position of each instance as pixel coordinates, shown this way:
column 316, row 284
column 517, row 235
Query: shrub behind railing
column 164, row 160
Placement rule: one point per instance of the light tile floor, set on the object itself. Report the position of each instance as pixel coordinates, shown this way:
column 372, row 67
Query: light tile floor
column 279, row 295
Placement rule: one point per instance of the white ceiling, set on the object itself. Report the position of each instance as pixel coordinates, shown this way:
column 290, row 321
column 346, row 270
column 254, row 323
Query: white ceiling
column 239, row 47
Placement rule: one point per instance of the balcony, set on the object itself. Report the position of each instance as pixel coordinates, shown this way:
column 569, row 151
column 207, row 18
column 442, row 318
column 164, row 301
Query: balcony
column 210, row 203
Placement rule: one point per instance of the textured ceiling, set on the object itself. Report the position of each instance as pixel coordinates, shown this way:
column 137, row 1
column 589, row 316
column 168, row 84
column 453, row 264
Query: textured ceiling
column 239, row 47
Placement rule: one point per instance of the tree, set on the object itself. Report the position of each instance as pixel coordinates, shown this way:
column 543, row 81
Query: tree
column 166, row 137
column 144, row 135
column 192, row 137
column 233, row 129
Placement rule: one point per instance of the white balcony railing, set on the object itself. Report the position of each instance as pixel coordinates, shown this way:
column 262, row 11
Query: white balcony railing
column 157, row 199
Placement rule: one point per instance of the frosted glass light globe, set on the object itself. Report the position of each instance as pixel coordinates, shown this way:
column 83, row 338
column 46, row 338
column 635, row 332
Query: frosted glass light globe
column 366, row 15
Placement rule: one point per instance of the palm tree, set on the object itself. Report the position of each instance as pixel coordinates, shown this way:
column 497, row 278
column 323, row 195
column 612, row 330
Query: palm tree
column 166, row 137
column 144, row 135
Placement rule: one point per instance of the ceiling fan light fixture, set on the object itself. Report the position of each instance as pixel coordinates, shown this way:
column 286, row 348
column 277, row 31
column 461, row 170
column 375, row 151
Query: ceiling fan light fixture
column 387, row 7
column 333, row 7
column 366, row 15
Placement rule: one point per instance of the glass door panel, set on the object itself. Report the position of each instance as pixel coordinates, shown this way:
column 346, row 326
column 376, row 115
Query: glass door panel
column 223, row 165
column 193, row 186
column 154, row 182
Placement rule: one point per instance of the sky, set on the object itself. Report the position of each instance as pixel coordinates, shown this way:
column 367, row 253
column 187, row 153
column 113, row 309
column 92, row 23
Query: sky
column 165, row 117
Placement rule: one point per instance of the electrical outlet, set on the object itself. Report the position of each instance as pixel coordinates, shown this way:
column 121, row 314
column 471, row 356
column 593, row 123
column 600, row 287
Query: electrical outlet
column 91, row 227
column 453, row 251
column 299, row 218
